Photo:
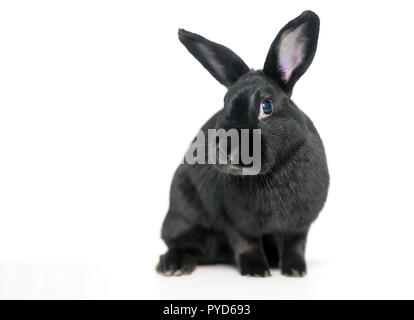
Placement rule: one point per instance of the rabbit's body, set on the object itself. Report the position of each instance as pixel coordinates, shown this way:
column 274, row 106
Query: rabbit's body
column 257, row 221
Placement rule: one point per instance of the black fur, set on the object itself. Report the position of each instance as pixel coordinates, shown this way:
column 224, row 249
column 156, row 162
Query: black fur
column 221, row 62
column 259, row 221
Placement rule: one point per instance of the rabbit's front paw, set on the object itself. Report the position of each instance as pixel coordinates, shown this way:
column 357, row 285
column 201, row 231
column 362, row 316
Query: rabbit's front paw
column 294, row 268
column 254, row 264
column 176, row 263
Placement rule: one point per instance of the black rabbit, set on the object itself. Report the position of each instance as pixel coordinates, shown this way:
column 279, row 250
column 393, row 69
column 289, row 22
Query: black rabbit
column 218, row 215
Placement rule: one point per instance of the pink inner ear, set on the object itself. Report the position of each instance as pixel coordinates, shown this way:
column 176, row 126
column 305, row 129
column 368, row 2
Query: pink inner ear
column 291, row 51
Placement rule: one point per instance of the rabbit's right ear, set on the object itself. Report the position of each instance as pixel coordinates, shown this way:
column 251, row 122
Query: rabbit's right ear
column 220, row 61
column 292, row 51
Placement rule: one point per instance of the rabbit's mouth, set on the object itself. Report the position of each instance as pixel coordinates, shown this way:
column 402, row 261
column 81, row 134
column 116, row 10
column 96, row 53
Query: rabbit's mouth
column 231, row 169
column 226, row 162
column 237, row 169
column 232, row 163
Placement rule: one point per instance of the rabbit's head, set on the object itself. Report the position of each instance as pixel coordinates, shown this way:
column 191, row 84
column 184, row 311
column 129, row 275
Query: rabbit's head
column 261, row 99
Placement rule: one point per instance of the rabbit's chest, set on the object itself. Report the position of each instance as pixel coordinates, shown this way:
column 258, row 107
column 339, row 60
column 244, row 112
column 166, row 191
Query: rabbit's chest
column 258, row 211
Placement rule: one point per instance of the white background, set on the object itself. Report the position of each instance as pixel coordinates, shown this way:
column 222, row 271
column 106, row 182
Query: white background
column 99, row 100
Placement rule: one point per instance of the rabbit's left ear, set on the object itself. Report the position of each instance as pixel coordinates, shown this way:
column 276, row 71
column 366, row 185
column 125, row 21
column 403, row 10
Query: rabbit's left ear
column 292, row 51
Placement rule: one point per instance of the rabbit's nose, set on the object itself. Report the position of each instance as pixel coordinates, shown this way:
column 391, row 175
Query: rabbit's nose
column 225, row 155
column 232, row 156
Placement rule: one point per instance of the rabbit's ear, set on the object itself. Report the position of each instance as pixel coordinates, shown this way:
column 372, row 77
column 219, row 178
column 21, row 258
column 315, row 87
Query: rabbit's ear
column 221, row 62
column 292, row 51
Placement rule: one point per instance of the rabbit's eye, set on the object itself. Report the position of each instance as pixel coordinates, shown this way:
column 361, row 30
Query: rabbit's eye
column 267, row 107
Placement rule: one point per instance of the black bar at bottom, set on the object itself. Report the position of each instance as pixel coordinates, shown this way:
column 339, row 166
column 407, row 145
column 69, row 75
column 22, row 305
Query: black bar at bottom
column 204, row 309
